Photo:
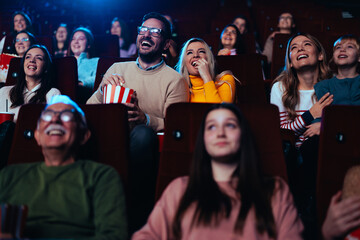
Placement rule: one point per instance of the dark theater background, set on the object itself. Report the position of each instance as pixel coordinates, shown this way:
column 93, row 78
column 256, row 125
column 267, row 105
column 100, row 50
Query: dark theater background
column 191, row 18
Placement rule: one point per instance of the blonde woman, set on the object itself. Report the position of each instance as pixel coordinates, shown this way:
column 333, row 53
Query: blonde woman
column 197, row 65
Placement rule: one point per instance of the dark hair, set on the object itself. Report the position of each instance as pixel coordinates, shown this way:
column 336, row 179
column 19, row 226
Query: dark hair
column 47, row 78
column 89, row 40
column 239, row 43
column 167, row 31
column 255, row 190
column 66, row 43
column 27, row 20
column 32, row 40
column 124, row 33
column 247, row 24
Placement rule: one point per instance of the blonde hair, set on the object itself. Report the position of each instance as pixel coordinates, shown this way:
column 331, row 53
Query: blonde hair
column 181, row 66
column 348, row 37
column 289, row 80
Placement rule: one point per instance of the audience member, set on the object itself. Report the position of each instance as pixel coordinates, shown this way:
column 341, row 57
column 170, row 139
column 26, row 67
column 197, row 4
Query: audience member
column 35, row 83
column 171, row 54
column 197, row 65
column 225, row 194
column 61, row 41
column 80, row 47
column 345, row 86
column 231, row 42
column 286, row 25
column 293, row 90
column 66, row 197
column 293, row 93
column 343, row 215
column 242, row 23
column 23, row 40
column 157, row 86
column 119, row 28
column 21, row 21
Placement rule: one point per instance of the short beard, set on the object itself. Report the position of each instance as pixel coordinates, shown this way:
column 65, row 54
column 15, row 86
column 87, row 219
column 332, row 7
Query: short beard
column 150, row 57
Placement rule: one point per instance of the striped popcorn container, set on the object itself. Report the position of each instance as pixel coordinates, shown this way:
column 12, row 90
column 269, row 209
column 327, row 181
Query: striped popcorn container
column 117, row 94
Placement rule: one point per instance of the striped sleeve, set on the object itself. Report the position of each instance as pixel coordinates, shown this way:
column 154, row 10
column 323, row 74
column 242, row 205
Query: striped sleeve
column 298, row 125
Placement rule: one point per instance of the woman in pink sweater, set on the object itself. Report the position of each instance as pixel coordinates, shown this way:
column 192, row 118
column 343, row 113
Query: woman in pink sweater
column 225, row 196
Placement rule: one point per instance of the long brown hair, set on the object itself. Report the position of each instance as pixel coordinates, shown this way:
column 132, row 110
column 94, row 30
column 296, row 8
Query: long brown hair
column 289, row 80
column 255, row 190
column 47, row 81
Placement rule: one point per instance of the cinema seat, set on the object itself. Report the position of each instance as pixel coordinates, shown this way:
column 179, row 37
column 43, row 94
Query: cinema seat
column 108, row 143
column 338, row 151
column 181, row 127
column 104, row 64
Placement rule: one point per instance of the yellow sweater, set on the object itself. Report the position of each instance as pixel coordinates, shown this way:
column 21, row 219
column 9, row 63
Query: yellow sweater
column 211, row 92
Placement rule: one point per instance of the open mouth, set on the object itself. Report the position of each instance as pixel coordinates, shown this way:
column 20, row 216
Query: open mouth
column 194, row 63
column 145, row 43
column 342, row 56
column 55, row 130
column 302, row 56
column 32, row 67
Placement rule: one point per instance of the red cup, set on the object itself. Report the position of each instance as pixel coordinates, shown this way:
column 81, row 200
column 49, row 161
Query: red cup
column 6, row 116
column 117, row 94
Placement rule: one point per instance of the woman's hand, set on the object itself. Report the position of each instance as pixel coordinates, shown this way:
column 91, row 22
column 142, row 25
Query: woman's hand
column 312, row 129
column 114, row 79
column 316, row 109
column 203, row 67
column 224, row 52
column 342, row 217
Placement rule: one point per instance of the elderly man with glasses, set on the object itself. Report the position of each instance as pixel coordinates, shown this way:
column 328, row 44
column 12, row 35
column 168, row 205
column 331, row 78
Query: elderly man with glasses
column 66, row 197
column 156, row 87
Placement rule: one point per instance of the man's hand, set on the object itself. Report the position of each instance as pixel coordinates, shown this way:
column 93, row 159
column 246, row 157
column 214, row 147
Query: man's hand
column 312, row 129
column 135, row 114
column 113, row 79
column 342, row 217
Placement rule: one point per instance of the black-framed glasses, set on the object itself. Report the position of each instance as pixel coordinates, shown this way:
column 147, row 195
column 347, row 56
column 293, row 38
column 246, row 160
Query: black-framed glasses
column 22, row 39
column 155, row 32
column 66, row 115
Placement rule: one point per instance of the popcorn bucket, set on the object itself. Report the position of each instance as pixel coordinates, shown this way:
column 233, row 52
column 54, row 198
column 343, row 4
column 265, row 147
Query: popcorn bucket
column 117, row 94
column 6, row 116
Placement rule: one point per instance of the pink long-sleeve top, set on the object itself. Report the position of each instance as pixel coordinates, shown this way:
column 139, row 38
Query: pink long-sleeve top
column 158, row 226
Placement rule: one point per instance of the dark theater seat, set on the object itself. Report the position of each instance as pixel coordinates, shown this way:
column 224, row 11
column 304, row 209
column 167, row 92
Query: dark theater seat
column 181, row 127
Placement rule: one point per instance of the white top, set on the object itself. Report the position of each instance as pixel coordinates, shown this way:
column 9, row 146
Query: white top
column 299, row 124
column 28, row 94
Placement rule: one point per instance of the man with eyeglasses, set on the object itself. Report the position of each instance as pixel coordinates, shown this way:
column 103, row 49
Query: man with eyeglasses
column 286, row 25
column 157, row 86
column 66, row 197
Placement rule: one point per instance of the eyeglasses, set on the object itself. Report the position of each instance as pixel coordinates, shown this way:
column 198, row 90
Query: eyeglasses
column 22, row 40
column 155, row 32
column 65, row 116
column 285, row 18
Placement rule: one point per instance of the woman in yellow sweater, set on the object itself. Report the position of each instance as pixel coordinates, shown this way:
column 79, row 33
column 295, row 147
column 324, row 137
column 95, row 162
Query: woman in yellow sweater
column 197, row 65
